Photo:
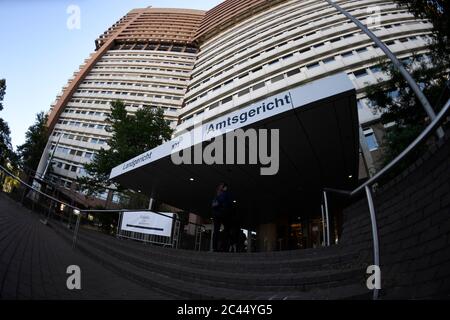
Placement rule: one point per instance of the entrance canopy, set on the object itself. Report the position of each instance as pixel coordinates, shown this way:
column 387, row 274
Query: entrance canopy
column 318, row 147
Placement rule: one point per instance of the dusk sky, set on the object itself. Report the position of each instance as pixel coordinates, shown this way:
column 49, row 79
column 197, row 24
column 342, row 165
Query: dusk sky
column 40, row 53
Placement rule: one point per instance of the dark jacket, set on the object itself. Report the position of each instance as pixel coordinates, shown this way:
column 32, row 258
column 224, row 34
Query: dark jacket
column 221, row 204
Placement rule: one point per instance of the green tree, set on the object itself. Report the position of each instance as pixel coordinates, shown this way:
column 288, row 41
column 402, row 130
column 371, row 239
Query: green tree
column 394, row 99
column 132, row 134
column 36, row 139
column 399, row 105
column 6, row 151
column 437, row 12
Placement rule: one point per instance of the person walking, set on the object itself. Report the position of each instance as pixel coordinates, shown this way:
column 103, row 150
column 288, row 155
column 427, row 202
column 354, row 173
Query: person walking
column 220, row 211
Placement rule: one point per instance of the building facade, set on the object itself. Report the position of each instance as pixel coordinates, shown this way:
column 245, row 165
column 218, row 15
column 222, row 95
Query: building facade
column 201, row 65
column 146, row 58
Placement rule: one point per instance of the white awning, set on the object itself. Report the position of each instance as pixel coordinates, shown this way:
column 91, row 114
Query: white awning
column 318, row 126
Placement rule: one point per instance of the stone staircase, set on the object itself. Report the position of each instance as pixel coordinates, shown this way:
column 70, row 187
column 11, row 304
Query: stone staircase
column 324, row 273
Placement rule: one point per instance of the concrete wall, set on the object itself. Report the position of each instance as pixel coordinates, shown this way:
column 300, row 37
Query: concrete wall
column 413, row 216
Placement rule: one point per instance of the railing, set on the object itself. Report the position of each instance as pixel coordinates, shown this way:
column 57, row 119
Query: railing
column 179, row 237
column 185, row 234
column 366, row 186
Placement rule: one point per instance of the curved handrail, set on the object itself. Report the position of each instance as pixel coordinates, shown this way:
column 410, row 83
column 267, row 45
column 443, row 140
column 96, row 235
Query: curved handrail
column 89, row 210
column 36, row 190
column 412, row 146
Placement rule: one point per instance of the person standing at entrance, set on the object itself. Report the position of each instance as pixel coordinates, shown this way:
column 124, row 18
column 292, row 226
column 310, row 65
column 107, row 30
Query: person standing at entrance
column 220, row 211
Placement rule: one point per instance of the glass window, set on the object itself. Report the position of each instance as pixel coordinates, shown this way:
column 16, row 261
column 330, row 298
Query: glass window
column 293, row 72
column 312, row 65
column 258, row 86
column 375, row 69
column 347, row 54
column 360, row 50
column 277, row 78
column 360, row 73
column 243, row 92
column 371, row 139
column 227, row 99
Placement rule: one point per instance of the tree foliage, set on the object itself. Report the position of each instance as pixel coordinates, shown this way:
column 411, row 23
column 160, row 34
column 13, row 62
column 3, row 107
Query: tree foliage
column 2, row 92
column 438, row 13
column 6, row 151
column 36, row 139
column 395, row 100
column 132, row 134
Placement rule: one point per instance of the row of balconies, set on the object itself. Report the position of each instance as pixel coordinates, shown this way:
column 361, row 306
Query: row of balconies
column 141, row 72
column 144, row 64
column 124, row 77
column 149, row 89
column 298, row 58
column 254, row 27
column 244, row 39
column 132, row 99
column 304, row 75
column 300, row 42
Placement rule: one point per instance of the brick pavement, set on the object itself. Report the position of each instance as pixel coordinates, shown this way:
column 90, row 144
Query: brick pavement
column 34, row 259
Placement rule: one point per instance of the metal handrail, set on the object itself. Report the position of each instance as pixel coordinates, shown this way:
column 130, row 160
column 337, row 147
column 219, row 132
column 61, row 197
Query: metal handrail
column 37, row 190
column 367, row 185
column 425, row 134
column 82, row 212
column 140, row 210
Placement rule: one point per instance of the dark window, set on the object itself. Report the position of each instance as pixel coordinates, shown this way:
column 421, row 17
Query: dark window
column 256, row 69
column 312, row 65
column 287, row 56
column 347, row 54
column 277, row 78
column 293, row 72
column 375, row 69
column 304, row 50
column 243, row 92
column 258, row 86
column 360, row 50
column 360, row 73
column 227, row 99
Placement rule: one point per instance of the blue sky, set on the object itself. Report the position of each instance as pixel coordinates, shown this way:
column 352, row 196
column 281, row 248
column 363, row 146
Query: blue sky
column 39, row 53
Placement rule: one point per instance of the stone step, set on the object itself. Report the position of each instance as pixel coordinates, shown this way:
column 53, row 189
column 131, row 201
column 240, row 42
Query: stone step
column 334, row 259
column 241, row 279
column 189, row 289
column 218, row 255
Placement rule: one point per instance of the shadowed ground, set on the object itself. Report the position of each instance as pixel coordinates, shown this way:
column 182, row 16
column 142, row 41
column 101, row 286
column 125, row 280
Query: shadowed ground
column 34, row 259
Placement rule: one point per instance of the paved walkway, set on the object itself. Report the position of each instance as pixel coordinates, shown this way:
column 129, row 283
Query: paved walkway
column 34, row 259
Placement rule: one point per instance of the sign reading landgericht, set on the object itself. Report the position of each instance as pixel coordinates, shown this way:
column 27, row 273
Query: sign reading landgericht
column 285, row 101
